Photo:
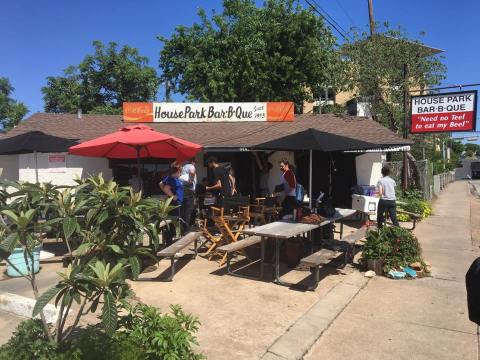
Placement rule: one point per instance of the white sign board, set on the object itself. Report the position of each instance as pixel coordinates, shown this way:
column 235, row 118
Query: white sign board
column 57, row 163
column 208, row 112
column 445, row 112
column 213, row 112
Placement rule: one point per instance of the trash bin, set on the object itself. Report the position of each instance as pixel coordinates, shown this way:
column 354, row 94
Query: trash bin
column 18, row 260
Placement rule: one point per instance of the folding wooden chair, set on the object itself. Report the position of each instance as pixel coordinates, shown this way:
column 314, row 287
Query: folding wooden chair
column 265, row 210
column 230, row 219
column 212, row 238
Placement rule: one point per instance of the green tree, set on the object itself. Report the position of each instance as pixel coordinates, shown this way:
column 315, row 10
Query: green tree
column 376, row 71
column 102, row 82
column 278, row 52
column 472, row 150
column 11, row 111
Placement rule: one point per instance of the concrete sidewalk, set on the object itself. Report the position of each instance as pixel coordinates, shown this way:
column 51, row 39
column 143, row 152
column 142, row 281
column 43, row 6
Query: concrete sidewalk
column 418, row 319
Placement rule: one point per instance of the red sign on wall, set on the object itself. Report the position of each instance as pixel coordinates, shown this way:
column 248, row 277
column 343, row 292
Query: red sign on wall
column 447, row 112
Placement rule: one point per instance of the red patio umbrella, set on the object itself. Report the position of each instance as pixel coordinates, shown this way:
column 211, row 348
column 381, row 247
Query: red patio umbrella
column 135, row 142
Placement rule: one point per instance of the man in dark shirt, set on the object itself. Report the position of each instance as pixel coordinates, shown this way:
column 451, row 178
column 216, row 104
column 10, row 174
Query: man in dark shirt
column 221, row 184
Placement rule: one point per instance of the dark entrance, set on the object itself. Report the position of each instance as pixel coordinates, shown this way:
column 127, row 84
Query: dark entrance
column 340, row 166
column 243, row 164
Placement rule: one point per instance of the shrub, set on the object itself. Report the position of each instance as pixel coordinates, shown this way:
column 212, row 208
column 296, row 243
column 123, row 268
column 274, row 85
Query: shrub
column 28, row 342
column 414, row 203
column 161, row 336
column 396, row 246
column 403, row 217
column 144, row 333
column 419, row 207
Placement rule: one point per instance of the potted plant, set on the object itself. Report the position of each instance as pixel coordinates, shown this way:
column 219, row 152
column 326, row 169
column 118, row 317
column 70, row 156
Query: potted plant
column 375, row 250
column 390, row 248
column 22, row 226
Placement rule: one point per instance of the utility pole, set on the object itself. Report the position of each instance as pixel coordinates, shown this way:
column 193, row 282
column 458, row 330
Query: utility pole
column 406, row 112
column 371, row 18
column 167, row 91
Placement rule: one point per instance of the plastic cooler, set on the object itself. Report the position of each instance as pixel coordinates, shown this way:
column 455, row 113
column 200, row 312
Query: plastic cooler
column 366, row 204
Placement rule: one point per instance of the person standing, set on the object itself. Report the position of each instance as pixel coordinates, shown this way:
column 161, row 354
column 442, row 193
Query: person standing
column 188, row 178
column 388, row 200
column 221, row 182
column 173, row 188
column 289, row 185
column 233, row 181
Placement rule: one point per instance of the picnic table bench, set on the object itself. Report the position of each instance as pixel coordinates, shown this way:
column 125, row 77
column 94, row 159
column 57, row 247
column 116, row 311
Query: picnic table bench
column 324, row 256
column 240, row 245
column 413, row 216
column 317, row 259
column 172, row 250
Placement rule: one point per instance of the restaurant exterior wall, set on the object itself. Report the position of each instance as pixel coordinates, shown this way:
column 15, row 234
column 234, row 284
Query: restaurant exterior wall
column 76, row 166
column 9, row 166
column 368, row 167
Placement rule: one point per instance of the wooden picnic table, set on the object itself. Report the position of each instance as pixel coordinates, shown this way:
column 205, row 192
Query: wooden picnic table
column 281, row 230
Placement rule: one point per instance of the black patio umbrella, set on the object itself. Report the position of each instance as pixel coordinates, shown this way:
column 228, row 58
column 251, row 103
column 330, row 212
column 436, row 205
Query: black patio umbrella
column 312, row 139
column 33, row 142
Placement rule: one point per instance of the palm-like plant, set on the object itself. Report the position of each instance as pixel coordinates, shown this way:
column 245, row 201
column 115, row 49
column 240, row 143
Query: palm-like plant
column 106, row 224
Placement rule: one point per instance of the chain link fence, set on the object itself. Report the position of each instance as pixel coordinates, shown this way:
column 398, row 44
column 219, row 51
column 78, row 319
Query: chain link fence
column 420, row 175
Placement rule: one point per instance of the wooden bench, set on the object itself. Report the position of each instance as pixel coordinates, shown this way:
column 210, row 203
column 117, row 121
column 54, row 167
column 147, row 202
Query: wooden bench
column 351, row 240
column 348, row 243
column 324, row 256
column 177, row 246
column 240, row 245
column 413, row 216
column 317, row 259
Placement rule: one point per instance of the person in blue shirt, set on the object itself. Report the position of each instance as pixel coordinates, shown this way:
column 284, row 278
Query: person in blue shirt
column 173, row 187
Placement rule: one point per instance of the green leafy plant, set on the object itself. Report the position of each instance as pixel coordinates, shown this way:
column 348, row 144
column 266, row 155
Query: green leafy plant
column 396, row 246
column 28, row 342
column 414, row 202
column 144, row 333
column 105, row 222
column 420, row 207
column 161, row 336
column 403, row 217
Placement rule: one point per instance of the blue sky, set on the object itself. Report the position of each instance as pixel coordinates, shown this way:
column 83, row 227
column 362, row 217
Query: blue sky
column 42, row 37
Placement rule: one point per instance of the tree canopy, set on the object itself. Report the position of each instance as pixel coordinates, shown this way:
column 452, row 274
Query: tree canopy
column 11, row 111
column 278, row 52
column 472, row 149
column 102, row 82
column 376, row 71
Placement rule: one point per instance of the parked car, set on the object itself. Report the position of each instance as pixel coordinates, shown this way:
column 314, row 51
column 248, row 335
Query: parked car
column 475, row 168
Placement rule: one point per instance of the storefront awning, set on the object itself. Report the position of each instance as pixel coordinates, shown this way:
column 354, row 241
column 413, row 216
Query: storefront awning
column 382, row 149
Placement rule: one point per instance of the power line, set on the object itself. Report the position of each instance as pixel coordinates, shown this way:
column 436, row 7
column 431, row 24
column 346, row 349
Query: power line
column 346, row 13
column 446, row 87
column 340, row 31
column 330, row 17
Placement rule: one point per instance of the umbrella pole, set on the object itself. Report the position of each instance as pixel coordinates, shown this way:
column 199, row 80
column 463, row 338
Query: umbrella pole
column 138, row 168
column 310, row 193
column 36, row 166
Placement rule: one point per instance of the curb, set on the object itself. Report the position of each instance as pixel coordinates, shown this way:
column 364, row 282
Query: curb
column 23, row 306
column 473, row 189
column 300, row 337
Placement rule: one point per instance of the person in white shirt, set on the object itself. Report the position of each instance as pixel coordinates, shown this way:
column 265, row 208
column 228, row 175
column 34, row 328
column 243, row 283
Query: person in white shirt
column 388, row 201
column 188, row 178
